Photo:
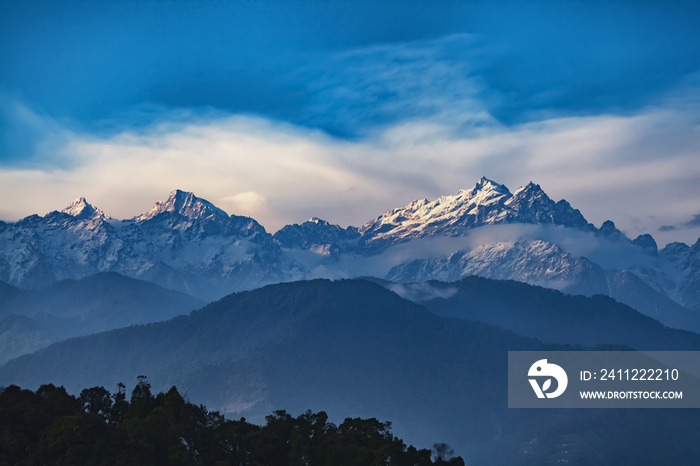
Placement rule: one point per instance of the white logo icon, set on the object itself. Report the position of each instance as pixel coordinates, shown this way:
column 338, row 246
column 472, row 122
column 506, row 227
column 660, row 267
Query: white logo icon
column 543, row 369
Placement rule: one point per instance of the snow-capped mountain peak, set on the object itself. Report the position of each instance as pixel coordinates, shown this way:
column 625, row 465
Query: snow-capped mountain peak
column 186, row 204
column 82, row 209
column 530, row 204
column 317, row 232
column 487, row 203
column 421, row 212
column 187, row 243
column 183, row 243
column 484, row 185
column 530, row 190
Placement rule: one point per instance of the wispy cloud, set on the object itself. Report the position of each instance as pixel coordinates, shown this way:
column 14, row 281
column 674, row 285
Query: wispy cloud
column 369, row 89
column 28, row 138
column 694, row 224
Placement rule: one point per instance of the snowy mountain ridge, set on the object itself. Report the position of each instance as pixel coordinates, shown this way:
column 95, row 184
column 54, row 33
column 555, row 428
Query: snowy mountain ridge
column 488, row 203
column 188, row 244
column 185, row 204
column 81, row 208
column 184, row 243
column 553, row 246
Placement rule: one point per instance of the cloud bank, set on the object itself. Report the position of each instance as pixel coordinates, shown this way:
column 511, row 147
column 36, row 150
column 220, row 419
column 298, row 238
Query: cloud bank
column 432, row 135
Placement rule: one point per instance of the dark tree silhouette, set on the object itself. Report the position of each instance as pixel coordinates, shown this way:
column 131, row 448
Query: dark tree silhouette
column 96, row 400
column 141, row 398
column 50, row 426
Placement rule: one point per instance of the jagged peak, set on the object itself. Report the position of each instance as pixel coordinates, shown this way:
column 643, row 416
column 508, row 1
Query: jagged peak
column 186, row 204
column 530, row 191
column 81, row 208
column 676, row 246
column 647, row 243
column 531, row 187
column 78, row 206
column 609, row 230
column 180, row 194
column 485, row 184
column 484, row 190
column 608, row 225
column 564, row 203
column 317, row 221
column 420, row 202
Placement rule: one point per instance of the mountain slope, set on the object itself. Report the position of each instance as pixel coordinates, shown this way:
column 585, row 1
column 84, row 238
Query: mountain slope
column 188, row 244
column 318, row 235
column 488, row 203
column 684, row 261
column 345, row 346
column 538, row 262
column 32, row 319
column 548, row 315
column 353, row 348
column 184, row 243
column 535, row 262
column 525, row 236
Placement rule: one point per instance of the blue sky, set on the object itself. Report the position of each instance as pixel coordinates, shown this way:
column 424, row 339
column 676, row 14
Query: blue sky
column 343, row 109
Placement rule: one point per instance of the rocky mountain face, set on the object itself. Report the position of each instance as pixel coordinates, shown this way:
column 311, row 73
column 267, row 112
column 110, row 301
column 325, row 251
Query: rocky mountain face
column 488, row 203
column 534, row 262
column 546, row 264
column 187, row 244
column 184, row 243
column 544, row 246
column 684, row 264
column 319, row 236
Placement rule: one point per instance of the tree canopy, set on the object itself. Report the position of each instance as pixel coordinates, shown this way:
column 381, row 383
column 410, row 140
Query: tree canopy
column 50, row 426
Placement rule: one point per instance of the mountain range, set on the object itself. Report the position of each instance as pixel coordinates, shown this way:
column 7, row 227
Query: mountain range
column 187, row 244
column 456, row 284
column 355, row 348
column 545, row 314
column 33, row 319
column 184, row 243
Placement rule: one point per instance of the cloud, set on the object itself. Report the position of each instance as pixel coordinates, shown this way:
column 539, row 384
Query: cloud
column 606, row 166
column 422, row 292
column 247, row 203
column 366, row 90
column 609, row 254
column 25, row 134
column 434, row 137
column 695, row 222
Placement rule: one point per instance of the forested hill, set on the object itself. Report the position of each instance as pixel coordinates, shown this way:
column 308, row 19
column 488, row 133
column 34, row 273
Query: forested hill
column 50, row 426
column 548, row 315
column 33, row 319
column 351, row 348
column 354, row 349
